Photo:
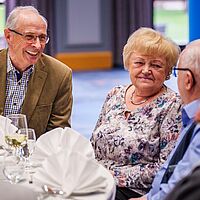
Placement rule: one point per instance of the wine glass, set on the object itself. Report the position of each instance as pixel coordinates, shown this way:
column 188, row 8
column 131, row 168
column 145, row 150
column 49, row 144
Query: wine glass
column 28, row 150
column 31, row 141
column 13, row 167
column 14, row 136
column 30, row 146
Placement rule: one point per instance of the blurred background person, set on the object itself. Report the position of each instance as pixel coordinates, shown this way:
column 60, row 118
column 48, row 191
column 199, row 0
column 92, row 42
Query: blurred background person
column 139, row 123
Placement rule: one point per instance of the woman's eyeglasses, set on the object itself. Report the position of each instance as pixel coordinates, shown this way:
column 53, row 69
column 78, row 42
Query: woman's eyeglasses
column 31, row 38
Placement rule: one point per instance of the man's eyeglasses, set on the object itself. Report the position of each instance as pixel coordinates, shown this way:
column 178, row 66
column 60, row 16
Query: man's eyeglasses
column 30, row 38
column 175, row 69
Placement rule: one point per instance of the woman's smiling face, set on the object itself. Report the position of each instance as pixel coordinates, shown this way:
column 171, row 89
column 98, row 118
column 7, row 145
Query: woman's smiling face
column 147, row 73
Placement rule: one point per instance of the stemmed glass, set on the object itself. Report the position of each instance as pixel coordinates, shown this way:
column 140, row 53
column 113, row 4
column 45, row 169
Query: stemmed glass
column 31, row 141
column 28, row 150
column 30, row 146
column 14, row 136
column 13, row 167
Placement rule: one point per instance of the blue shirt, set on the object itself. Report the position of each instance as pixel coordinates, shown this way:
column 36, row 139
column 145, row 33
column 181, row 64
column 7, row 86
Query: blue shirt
column 16, row 88
column 191, row 157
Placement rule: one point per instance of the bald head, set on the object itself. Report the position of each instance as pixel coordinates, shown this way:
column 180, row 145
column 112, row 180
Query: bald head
column 189, row 76
column 190, row 58
column 194, row 43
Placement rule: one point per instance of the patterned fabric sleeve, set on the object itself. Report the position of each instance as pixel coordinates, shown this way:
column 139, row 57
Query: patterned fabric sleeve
column 103, row 111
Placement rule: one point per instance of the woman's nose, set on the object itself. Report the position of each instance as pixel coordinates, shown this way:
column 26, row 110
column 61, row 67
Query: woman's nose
column 146, row 69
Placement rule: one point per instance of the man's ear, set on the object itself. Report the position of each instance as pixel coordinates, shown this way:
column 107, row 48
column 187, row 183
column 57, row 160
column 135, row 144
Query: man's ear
column 7, row 35
column 189, row 81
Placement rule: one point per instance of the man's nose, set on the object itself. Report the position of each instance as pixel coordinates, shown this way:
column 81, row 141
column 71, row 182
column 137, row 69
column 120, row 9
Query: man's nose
column 37, row 42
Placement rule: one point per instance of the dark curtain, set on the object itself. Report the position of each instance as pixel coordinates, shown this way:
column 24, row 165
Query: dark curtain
column 46, row 8
column 129, row 15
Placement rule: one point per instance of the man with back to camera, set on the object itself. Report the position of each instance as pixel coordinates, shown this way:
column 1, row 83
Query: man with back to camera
column 188, row 83
column 31, row 82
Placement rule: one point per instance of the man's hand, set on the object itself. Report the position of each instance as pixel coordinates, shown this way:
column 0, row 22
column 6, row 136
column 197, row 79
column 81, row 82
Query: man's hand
column 140, row 198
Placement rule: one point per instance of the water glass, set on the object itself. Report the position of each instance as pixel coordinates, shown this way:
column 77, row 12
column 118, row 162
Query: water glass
column 31, row 139
column 13, row 168
column 30, row 145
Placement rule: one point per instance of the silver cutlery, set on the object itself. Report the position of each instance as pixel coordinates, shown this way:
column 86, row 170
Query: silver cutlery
column 52, row 191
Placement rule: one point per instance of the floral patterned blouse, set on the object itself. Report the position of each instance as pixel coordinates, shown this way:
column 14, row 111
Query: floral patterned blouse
column 134, row 148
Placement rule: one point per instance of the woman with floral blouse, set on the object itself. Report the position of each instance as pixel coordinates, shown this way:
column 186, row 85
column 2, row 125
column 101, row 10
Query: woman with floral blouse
column 139, row 123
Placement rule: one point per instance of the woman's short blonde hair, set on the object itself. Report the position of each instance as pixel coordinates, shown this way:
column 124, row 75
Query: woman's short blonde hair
column 150, row 42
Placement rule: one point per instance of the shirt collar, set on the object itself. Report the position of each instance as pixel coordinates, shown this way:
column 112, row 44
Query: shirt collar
column 189, row 111
column 10, row 66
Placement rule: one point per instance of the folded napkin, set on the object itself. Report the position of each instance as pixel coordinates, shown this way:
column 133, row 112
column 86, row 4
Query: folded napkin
column 5, row 124
column 77, row 175
column 60, row 139
column 2, row 126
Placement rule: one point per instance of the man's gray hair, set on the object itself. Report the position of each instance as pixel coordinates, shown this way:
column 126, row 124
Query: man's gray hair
column 15, row 13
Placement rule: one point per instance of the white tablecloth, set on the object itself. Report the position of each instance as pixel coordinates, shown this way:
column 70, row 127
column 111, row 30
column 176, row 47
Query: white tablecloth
column 65, row 159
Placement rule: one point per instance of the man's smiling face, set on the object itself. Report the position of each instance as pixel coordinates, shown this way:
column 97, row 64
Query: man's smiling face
column 24, row 53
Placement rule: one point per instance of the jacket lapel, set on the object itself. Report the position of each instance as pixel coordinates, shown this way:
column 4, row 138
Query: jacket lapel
column 35, row 86
column 3, row 68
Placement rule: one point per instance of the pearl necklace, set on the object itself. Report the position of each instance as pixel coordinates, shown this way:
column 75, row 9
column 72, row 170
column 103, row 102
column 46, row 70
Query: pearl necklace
column 137, row 103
